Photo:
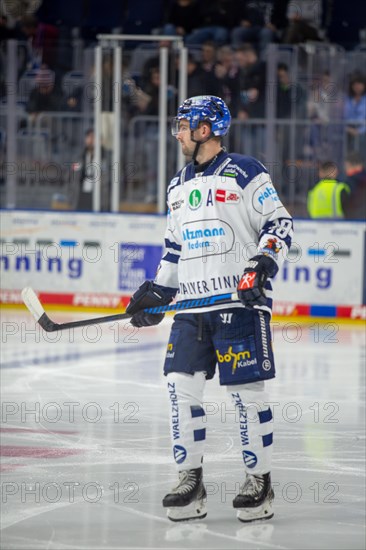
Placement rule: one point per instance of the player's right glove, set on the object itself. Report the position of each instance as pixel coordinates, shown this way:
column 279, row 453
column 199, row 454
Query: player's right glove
column 251, row 286
column 148, row 295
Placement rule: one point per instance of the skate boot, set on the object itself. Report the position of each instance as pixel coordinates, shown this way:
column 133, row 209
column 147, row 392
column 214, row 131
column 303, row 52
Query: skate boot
column 186, row 500
column 255, row 498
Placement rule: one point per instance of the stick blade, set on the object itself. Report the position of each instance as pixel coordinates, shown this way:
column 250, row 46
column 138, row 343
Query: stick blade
column 30, row 299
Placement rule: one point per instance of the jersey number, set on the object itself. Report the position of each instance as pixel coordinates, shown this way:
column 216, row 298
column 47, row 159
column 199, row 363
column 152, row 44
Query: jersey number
column 281, row 228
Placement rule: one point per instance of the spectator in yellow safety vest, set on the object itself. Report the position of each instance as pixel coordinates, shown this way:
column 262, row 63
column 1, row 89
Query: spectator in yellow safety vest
column 326, row 199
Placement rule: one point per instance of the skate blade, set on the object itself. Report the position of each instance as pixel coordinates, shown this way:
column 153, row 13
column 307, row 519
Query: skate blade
column 195, row 510
column 265, row 511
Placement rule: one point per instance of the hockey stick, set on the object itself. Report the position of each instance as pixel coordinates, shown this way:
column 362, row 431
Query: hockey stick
column 35, row 307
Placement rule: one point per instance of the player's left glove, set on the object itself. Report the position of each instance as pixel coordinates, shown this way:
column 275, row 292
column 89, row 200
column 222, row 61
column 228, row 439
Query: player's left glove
column 251, row 286
column 148, row 295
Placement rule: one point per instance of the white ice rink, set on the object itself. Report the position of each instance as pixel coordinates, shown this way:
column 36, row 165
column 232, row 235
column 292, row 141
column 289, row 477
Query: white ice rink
column 88, row 468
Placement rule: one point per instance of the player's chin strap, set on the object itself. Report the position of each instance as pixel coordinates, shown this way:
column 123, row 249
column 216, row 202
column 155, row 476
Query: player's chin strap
column 198, row 143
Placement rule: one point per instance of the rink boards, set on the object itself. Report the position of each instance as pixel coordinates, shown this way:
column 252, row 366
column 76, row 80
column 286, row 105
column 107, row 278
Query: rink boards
column 85, row 260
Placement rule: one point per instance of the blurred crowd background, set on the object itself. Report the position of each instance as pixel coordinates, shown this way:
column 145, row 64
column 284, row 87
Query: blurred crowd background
column 316, row 50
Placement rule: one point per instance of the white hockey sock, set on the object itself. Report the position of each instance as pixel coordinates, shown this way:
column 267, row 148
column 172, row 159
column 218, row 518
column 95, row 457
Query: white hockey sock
column 255, row 424
column 188, row 431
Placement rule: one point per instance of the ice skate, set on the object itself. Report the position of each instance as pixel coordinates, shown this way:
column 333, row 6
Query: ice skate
column 255, row 498
column 186, row 500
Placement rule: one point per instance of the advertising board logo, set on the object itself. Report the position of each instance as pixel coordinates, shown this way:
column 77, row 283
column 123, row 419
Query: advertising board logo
column 65, row 258
column 195, row 199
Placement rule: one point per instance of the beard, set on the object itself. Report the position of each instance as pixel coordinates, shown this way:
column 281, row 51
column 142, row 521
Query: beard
column 188, row 150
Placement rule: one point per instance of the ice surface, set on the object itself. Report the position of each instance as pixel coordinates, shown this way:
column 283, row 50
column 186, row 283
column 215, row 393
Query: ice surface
column 89, row 467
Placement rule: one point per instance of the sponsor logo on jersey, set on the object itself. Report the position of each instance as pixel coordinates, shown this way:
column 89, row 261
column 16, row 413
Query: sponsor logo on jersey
column 272, row 246
column 200, row 236
column 195, row 199
column 226, row 318
column 175, row 409
column 268, row 193
column 228, row 174
column 250, row 459
column 180, row 454
column 177, row 204
column 266, row 365
column 229, row 197
column 238, row 360
column 170, row 353
column 243, row 419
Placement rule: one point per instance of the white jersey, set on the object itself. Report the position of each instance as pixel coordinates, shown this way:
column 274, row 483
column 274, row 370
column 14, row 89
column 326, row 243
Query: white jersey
column 217, row 220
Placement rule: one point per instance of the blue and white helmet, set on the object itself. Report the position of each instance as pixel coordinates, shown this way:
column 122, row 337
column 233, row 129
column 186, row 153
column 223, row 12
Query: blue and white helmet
column 208, row 108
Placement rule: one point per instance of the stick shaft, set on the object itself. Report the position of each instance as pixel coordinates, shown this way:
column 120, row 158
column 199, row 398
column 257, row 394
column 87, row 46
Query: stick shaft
column 35, row 307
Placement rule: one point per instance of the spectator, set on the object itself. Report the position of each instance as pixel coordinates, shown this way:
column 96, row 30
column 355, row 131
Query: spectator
column 87, row 172
column 43, row 39
column 201, row 82
column 291, row 97
column 250, row 95
column 327, row 198
column 227, row 71
column 208, row 56
column 149, row 105
column 278, row 20
column 355, row 202
column 182, row 18
column 299, row 29
column 355, row 114
column 252, row 28
column 290, row 104
column 212, row 22
column 44, row 96
column 325, row 106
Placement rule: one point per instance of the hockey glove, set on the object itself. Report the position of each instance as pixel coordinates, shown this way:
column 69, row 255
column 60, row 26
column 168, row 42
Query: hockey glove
column 251, row 286
column 148, row 295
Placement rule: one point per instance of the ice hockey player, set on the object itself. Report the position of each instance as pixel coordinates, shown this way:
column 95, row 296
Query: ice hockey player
column 227, row 232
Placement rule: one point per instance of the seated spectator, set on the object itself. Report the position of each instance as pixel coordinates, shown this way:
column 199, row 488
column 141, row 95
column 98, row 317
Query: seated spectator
column 208, row 56
column 44, row 96
column 355, row 114
column 278, row 20
column 252, row 28
column 327, row 198
column 201, row 82
column 299, row 30
column 43, row 41
column 250, row 94
column 73, row 103
column 355, row 203
column 211, row 23
column 182, row 18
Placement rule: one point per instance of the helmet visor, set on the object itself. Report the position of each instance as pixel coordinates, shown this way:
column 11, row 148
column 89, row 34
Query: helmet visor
column 179, row 124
